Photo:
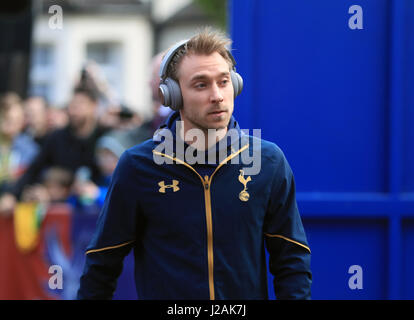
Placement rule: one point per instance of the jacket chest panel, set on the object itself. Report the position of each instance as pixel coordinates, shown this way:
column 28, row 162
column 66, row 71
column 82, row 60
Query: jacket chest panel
column 174, row 203
column 238, row 202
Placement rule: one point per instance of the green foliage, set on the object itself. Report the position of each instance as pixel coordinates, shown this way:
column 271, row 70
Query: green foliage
column 216, row 9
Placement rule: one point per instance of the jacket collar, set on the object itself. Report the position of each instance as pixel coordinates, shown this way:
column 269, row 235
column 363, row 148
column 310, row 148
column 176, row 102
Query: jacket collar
column 232, row 142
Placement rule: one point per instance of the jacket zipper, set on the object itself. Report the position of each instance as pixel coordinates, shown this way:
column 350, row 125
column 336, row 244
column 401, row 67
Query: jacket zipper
column 209, row 221
column 209, row 216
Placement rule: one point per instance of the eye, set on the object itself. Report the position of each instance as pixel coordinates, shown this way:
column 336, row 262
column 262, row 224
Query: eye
column 200, row 85
column 224, row 82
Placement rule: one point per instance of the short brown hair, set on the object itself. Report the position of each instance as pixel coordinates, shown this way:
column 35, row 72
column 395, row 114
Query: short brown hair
column 206, row 42
column 91, row 93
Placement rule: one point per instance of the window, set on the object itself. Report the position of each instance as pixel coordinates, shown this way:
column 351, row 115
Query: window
column 108, row 56
column 41, row 72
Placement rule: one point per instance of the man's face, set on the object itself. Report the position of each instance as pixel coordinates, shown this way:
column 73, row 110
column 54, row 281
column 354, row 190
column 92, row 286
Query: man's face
column 81, row 109
column 208, row 97
column 107, row 161
column 35, row 113
column 12, row 121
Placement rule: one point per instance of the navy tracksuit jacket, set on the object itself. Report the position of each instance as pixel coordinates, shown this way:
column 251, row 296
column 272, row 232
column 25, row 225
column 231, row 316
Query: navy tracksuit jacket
column 200, row 231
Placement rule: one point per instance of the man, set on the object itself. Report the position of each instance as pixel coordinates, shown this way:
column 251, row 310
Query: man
column 160, row 113
column 199, row 230
column 36, row 118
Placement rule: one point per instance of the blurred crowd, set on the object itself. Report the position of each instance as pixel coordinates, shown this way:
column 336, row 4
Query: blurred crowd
column 52, row 155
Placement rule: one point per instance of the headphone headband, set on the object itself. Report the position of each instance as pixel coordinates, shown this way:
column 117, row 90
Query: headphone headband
column 173, row 50
column 168, row 57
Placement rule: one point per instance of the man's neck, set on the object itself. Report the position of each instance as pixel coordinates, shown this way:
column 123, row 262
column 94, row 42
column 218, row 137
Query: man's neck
column 201, row 139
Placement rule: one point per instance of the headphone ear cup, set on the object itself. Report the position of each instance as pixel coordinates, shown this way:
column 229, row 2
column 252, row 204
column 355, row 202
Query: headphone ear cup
column 164, row 94
column 176, row 96
column 170, row 94
column 237, row 81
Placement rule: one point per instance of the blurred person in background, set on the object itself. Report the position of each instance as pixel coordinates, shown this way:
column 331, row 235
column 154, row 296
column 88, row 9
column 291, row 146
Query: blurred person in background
column 17, row 149
column 57, row 118
column 42, row 118
column 36, row 118
column 120, row 118
column 89, row 196
column 56, row 185
column 108, row 152
column 111, row 112
column 159, row 113
column 127, row 127
column 71, row 147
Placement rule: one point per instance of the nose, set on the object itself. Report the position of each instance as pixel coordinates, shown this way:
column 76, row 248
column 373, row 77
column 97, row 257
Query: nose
column 216, row 94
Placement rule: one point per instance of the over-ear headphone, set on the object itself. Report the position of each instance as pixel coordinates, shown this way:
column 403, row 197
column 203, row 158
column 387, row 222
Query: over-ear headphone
column 169, row 89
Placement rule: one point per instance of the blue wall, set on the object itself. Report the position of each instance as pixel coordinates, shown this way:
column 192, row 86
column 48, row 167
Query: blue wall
column 340, row 104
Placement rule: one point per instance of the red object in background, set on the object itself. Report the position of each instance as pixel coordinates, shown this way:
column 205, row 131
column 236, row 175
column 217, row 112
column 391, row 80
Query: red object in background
column 24, row 276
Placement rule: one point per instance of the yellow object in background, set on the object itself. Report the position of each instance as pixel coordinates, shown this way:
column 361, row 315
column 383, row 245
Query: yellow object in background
column 27, row 220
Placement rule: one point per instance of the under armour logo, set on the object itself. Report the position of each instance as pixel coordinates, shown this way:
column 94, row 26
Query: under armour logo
column 174, row 186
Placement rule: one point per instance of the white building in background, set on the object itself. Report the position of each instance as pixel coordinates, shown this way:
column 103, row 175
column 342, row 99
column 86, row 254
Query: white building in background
column 121, row 36
column 120, row 42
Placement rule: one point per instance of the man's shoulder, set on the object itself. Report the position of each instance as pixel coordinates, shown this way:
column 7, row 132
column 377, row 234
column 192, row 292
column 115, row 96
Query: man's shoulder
column 134, row 161
column 140, row 151
column 24, row 139
column 57, row 137
column 25, row 145
column 268, row 149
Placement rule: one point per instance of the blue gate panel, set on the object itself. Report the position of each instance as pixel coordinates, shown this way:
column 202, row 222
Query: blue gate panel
column 338, row 244
column 339, row 101
column 408, row 259
column 316, row 85
column 408, row 96
column 408, row 159
column 125, row 289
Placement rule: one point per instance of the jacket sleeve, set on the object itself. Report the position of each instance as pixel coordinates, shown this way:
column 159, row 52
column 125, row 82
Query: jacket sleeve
column 114, row 236
column 289, row 253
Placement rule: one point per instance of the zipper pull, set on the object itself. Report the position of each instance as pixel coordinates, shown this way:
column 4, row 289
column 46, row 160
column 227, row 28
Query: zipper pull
column 206, row 184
